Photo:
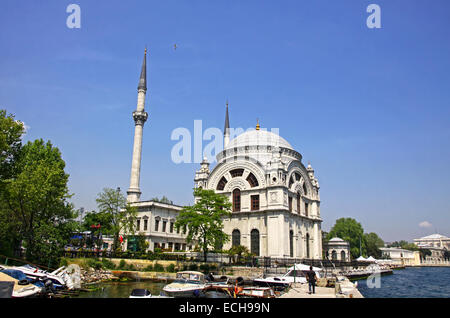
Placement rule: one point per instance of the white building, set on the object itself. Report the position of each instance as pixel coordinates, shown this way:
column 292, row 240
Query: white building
column 276, row 202
column 437, row 244
column 400, row 256
column 337, row 249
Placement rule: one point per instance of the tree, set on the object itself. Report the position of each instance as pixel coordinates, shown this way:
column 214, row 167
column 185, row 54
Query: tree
column 11, row 132
column 240, row 251
column 35, row 201
column 122, row 216
column 405, row 245
column 373, row 244
column 351, row 231
column 204, row 219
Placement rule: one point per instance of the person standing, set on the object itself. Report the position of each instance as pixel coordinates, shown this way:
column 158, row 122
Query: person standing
column 311, row 278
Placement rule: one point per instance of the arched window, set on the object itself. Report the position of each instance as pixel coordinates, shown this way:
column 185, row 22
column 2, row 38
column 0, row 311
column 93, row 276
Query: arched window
column 236, row 200
column 236, row 238
column 334, row 256
column 291, row 243
column 307, row 245
column 236, row 173
column 254, row 242
column 251, row 179
column 305, row 189
column 221, row 185
column 343, row 258
column 298, row 203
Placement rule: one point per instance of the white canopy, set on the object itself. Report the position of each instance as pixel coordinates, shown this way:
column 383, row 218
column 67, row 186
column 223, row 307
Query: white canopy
column 361, row 259
column 371, row 259
column 303, row 267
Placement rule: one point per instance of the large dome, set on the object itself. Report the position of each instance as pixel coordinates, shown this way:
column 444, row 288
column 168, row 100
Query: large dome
column 259, row 138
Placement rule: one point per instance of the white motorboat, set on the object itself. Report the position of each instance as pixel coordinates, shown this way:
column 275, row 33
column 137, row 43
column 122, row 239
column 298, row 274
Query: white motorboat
column 186, row 284
column 296, row 273
column 22, row 287
column 59, row 277
column 144, row 293
column 255, row 292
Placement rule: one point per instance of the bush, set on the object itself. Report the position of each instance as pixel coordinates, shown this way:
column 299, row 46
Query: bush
column 94, row 263
column 108, row 264
column 122, row 264
column 204, row 268
column 158, row 267
column 171, row 268
column 63, row 262
column 131, row 267
column 193, row 267
column 149, row 268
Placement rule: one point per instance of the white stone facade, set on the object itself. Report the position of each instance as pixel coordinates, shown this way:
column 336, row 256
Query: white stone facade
column 156, row 222
column 274, row 196
column 337, row 249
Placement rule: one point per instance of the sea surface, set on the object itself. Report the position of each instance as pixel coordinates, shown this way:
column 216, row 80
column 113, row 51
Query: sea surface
column 411, row 282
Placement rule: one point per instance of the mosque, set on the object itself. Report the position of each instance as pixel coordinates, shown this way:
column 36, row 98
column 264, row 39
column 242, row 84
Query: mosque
column 275, row 198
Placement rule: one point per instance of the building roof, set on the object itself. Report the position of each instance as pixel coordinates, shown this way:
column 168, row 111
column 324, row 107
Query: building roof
column 336, row 239
column 259, row 138
column 433, row 237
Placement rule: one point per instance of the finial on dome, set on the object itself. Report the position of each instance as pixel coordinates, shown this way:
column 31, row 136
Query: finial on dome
column 257, row 124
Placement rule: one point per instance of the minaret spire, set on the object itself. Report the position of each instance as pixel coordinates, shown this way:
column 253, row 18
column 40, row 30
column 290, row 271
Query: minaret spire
column 143, row 77
column 139, row 117
column 226, row 130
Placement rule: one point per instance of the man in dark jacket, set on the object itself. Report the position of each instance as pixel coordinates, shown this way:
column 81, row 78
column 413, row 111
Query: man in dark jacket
column 311, row 278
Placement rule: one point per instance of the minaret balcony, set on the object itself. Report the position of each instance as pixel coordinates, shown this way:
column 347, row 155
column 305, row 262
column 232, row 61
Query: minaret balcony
column 140, row 117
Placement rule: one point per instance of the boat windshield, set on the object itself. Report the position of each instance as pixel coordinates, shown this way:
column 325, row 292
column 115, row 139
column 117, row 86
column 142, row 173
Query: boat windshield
column 189, row 278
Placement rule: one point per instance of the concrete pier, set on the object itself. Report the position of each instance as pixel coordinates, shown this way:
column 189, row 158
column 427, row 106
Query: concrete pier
column 344, row 289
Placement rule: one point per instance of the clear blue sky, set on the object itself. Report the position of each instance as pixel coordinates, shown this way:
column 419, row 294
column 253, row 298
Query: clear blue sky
column 370, row 108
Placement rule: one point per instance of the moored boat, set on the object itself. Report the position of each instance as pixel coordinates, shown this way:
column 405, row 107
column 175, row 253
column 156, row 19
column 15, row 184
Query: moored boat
column 22, row 286
column 295, row 274
column 186, row 284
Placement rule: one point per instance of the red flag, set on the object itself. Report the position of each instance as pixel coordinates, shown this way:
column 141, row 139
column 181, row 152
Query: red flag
column 121, row 239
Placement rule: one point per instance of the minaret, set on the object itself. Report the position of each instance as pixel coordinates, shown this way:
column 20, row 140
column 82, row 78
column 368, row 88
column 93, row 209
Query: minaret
column 226, row 130
column 140, row 117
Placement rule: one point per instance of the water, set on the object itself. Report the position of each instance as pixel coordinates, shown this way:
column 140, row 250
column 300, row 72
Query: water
column 419, row 282
column 122, row 290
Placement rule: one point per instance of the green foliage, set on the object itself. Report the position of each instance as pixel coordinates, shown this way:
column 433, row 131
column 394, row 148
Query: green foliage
column 164, row 199
column 204, row 219
column 373, row 244
column 193, row 267
column 351, row 231
column 148, row 268
column 158, row 268
column 238, row 252
column 122, row 216
column 405, row 245
column 122, row 264
column 94, row 263
column 108, row 264
column 205, row 268
column 170, row 268
column 11, row 132
column 34, row 204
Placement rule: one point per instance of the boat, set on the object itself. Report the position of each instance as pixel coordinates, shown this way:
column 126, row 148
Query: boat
column 295, row 274
column 186, row 284
column 60, row 278
column 255, row 292
column 140, row 293
column 23, row 287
